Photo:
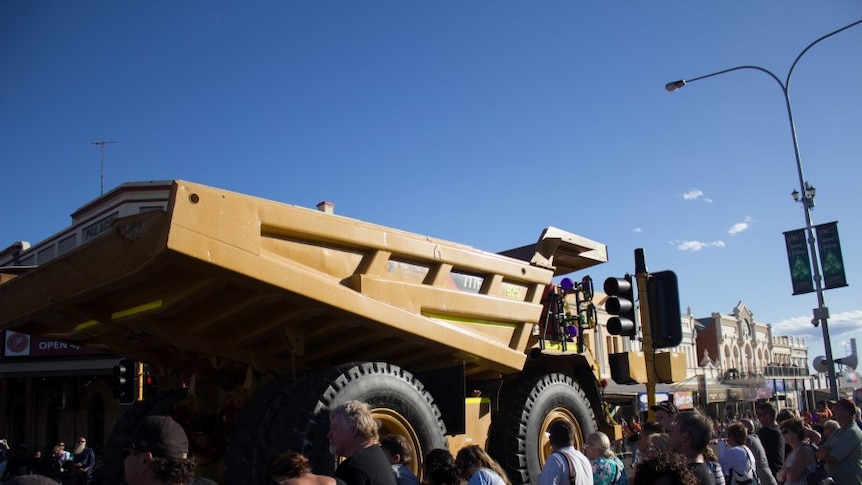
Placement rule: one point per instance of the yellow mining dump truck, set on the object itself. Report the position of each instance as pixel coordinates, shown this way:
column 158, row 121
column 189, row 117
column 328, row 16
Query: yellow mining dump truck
column 263, row 316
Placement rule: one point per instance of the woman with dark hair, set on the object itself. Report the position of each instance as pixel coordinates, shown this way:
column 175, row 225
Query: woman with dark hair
column 294, row 469
column 801, row 460
column 478, row 468
column 664, row 469
column 440, row 468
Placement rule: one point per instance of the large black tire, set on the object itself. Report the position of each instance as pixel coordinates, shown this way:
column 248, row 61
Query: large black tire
column 295, row 417
column 253, row 427
column 518, row 437
column 110, row 471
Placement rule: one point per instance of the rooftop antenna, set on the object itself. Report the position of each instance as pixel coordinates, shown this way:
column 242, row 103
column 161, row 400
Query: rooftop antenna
column 101, row 144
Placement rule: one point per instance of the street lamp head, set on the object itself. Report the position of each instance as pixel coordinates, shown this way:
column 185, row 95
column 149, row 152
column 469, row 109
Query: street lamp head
column 671, row 87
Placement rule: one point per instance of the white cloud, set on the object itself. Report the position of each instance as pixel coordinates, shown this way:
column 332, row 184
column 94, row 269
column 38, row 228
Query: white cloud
column 693, row 194
column 739, row 226
column 697, row 245
column 839, row 323
column 637, row 230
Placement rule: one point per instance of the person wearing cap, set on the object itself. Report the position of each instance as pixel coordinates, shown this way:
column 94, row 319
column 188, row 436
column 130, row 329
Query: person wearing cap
column 771, row 437
column 842, row 452
column 664, row 413
column 158, row 454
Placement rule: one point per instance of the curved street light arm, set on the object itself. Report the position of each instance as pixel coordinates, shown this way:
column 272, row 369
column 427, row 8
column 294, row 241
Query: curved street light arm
column 821, row 313
column 809, row 46
column 673, row 86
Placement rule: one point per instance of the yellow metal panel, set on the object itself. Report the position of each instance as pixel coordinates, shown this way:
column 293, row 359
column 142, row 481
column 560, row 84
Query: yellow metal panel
column 628, row 367
column 670, row 367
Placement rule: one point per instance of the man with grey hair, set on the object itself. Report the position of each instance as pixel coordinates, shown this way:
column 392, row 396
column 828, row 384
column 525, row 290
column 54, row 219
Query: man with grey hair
column 842, row 452
column 689, row 436
column 353, row 435
column 829, row 427
column 752, row 441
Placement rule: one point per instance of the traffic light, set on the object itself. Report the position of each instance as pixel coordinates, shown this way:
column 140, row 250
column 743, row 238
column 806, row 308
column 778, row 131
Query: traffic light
column 621, row 304
column 125, row 381
column 664, row 315
column 150, row 384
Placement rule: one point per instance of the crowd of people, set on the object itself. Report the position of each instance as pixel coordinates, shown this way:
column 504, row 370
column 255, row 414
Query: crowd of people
column 780, row 448
column 677, row 448
column 62, row 466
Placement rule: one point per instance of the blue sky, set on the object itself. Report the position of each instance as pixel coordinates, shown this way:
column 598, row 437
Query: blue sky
column 478, row 121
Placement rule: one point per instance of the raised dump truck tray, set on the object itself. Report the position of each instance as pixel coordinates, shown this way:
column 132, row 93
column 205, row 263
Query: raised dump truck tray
column 223, row 280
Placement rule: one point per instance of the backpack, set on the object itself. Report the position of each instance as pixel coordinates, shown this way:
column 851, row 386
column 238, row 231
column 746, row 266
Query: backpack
column 572, row 479
column 749, row 478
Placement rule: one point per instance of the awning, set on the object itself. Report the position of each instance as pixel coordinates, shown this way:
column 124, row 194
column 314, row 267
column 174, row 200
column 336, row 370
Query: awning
column 56, row 368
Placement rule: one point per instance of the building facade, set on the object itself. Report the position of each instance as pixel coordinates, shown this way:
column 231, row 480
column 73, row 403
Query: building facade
column 749, row 357
column 732, row 361
column 51, row 391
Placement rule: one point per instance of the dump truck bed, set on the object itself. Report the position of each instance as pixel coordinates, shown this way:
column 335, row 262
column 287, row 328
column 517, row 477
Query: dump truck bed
column 222, row 280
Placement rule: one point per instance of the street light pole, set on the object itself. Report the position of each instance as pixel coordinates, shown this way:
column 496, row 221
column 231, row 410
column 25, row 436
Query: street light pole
column 821, row 313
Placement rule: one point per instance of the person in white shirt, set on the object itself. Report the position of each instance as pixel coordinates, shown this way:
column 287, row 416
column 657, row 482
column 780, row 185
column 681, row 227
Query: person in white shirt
column 737, row 462
column 565, row 459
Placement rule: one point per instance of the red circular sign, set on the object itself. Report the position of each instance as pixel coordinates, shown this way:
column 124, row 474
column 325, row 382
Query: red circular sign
column 17, row 343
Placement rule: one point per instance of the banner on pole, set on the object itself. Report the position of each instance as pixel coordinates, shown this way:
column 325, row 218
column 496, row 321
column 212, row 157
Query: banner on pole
column 800, row 263
column 831, row 261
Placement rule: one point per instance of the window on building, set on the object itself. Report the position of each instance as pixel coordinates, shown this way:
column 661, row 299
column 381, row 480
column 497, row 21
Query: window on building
column 66, row 244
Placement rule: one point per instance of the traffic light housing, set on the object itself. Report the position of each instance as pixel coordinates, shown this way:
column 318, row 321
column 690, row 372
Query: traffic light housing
column 149, row 382
column 125, row 381
column 670, row 367
column 664, row 314
column 621, row 304
column 628, row 367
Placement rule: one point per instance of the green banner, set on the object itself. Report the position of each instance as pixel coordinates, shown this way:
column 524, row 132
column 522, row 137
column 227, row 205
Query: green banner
column 831, row 261
column 800, row 263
